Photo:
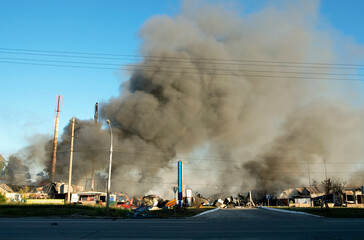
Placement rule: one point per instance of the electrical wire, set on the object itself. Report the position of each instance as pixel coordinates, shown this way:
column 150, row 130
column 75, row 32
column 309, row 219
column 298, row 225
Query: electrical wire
column 146, row 68
column 133, row 67
column 217, row 74
column 147, row 154
column 170, row 57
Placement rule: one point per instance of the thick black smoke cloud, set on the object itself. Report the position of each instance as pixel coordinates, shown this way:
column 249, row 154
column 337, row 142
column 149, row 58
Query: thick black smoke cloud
column 238, row 129
column 17, row 172
column 317, row 134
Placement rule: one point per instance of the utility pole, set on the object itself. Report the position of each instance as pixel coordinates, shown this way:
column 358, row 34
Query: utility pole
column 309, row 175
column 71, row 158
column 309, row 179
column 109, row 176
column 326, row 180
column 325, row 169
column 93, row 165
column 96, row 112
column 54, row 152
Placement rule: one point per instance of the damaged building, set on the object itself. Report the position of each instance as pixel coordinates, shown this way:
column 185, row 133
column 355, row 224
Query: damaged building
column 353, row 197
column 9, row 193
column 312, row 196
column 299, row 197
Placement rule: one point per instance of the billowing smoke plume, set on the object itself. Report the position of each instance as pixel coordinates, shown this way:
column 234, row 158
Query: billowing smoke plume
column 239, row 124
column 91, row 150
column 316, row 135
column 17, row 172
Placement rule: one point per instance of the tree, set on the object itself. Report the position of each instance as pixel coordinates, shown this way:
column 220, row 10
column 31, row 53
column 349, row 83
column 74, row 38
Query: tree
column 314, row 183
column 2, row 198
column 2, row 167
column 2, row 162
column 333, row 186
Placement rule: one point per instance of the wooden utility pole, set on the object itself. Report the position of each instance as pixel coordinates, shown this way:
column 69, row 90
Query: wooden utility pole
column 109, row 176
column 309, row 175
column 325, row 169
column 54, row 151
column 71, row 158
column 326, row 179
column 93, row 164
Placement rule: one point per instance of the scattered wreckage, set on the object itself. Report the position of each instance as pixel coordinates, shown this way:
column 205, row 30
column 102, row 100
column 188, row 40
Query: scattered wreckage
column 140, row 205
column 232, row 202
column 123, row 201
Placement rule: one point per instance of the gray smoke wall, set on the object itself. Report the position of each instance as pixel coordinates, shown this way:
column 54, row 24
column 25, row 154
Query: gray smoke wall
column 238, row 125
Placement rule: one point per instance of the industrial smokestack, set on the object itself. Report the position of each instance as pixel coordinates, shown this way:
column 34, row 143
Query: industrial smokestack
column 54, row 151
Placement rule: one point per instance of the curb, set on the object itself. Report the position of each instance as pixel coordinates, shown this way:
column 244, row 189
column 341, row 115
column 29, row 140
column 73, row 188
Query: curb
column 289, row 211
column 205, row 212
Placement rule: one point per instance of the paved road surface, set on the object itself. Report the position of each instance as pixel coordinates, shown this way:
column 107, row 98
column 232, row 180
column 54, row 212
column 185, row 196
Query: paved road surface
column 250, row 213
column 238, row 224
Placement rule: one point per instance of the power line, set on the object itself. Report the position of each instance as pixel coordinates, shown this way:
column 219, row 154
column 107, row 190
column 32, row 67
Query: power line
column 136, row 66
column 139, row 67
column 198, row 73
column 224, row 161
column 173, row 183
column 225, row 170
column 221, row 170
column 193, row 184
column 147, row 153
column 57, row 65
column 231, row 64
column 185, row 58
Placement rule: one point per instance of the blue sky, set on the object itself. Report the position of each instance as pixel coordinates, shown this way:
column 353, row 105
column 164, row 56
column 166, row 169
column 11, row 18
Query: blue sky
column 28, row 92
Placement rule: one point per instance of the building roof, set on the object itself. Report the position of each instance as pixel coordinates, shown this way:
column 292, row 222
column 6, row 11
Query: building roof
column 301, row 192
column 5, row 189
column 287, row 193
column 313, row 190
column 91, row 193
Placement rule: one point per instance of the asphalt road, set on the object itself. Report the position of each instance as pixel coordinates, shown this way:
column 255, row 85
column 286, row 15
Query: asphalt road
column 238, row 224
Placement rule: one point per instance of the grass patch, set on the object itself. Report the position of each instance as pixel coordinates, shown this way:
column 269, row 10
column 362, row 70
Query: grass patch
column 24, row 210
column 179, row 213
column 335, row 212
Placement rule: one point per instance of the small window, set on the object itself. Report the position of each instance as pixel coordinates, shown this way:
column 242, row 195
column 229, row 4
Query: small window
column 350, row 198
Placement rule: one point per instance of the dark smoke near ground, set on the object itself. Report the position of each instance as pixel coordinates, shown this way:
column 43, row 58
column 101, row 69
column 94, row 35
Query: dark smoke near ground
column 316, row 134
column 236, row 130
column 17, row 172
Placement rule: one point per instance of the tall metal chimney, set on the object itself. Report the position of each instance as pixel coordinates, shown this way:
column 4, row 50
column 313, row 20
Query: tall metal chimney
column 54, row 152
